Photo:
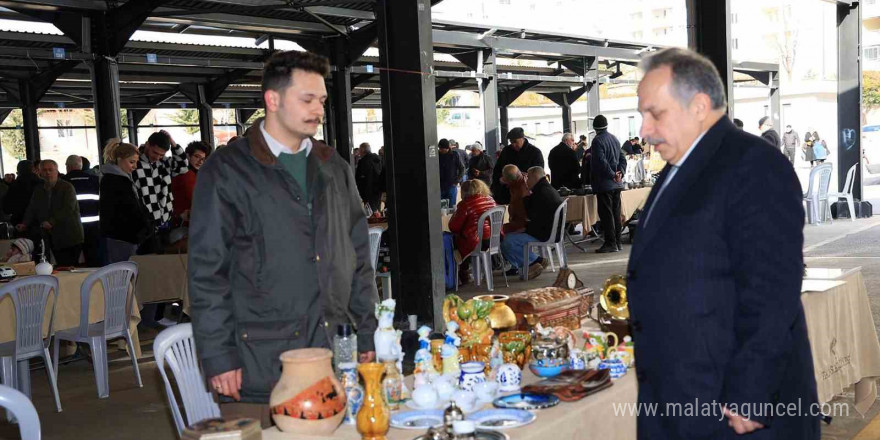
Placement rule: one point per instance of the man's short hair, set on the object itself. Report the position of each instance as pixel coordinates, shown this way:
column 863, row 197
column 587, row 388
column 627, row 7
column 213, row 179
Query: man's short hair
column 692, row 73
column 443, row 144
column 278, row 70
column 365, row 146
column 74, row 162
column 194, row 146
column 583, row 137
column 739, row 124
column 636, row 138
column 537, row 172
column 511, row 173
column 764, row 121
column 567, row 136
column 50, row 162
column 160, row 139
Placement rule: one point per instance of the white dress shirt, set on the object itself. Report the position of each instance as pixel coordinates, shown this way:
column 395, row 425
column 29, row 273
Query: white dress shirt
column 277, row 147
column 670, row 175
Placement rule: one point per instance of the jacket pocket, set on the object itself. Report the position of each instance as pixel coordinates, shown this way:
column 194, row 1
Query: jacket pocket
column 260, row 343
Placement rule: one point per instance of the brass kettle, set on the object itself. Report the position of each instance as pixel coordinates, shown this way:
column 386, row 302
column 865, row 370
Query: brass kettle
column 613, row 299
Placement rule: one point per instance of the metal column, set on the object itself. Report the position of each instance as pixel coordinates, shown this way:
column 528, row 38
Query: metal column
column 30, row 125
column 592, row 92
column 709, row 34
column 206, row 116
column 566, row 114
column 132, row 127
column 489, row 93
column 409, row 120
column 239, row 123
column 504, row 124
column 105, row 89
column 775, row 105
column 341, row 97
column 849, row 93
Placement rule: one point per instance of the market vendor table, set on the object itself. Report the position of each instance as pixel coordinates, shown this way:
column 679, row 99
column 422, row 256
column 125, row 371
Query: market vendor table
column 842, row 334
column 584, row 209
column 603, row 415
column 162, row 278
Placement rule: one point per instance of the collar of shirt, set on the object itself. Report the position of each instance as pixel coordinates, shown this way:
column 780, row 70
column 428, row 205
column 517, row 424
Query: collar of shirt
column 689, row 151
column 277, row 147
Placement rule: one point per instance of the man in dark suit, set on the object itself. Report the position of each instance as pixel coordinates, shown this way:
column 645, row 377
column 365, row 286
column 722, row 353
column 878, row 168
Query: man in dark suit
column 564, row 166
column 765, row 125
column 715, row 273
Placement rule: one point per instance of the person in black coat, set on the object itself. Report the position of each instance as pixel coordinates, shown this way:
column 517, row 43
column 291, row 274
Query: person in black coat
column 728, row 296
column 765, row 125
column 451, row 171
column 607, row 180
column 541, row 205
column 520, row 153
column 480, row 165
column 564, row 167
column 367, row 175
column 87, row 190
column 125, row 222
column 20, row 191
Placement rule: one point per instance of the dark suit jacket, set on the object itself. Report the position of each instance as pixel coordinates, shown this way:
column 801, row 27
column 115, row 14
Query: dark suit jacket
column 541, row 206
column 714, row 283
column 772, row 137
column 564, row 167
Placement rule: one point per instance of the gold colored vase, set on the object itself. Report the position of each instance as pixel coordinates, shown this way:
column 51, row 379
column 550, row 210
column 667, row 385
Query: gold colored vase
column 373, row 420
column 501, row 315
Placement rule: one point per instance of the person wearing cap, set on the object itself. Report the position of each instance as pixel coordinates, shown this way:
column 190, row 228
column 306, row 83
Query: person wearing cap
column 790, row 141
column 480, row 165
column 765, row 125
column 20, row 251
column 606, row 179
column 520, row 153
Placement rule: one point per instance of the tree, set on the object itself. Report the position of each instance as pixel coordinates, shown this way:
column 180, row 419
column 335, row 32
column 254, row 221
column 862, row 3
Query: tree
column 871, row 89
column 188, row 117
column 13, row 140
column 785, row 40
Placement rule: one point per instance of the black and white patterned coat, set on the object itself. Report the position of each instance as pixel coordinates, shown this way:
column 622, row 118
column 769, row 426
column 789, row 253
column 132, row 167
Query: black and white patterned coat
column 153, row 182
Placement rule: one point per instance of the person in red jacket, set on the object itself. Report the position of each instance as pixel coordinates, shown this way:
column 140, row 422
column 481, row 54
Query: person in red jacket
column 476, row 200
column 182, row 186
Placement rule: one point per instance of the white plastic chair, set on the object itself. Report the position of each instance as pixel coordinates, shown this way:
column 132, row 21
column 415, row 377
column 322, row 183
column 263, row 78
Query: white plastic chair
column 375, row 241
column 118, row 281
column 481, row 260
column 556, row 242
column 816, row 197
column 29, row 296
column 176, row 347
column 21, row 407
column 846, row 193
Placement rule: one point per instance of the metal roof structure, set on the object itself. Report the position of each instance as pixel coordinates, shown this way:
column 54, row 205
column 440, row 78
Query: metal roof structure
column 152, row 74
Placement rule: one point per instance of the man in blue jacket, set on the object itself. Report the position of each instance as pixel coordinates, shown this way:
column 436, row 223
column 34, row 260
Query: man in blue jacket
column 606, row 178
column 715, row 273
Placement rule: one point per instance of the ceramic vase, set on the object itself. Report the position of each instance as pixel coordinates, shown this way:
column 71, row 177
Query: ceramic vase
column 516, row 347
column 308, row 399
column 374, row 417
column 392, row 385
column 471, row 375
column 354, row 393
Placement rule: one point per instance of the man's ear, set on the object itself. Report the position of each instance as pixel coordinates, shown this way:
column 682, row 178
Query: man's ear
column 272, row 99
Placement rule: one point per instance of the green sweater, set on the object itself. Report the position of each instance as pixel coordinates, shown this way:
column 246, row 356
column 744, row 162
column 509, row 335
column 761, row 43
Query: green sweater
column 295, row 165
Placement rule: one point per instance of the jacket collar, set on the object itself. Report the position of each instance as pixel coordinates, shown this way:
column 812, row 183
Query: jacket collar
column 260, row 149
column 686, row 176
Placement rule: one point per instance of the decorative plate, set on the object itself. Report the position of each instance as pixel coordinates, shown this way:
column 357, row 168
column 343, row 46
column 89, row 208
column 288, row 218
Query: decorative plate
column 421, row 419
column 527, row 401
column 501, row 418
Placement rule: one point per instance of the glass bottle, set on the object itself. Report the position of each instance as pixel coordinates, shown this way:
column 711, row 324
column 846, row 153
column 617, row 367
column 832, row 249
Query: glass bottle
column 344, row 346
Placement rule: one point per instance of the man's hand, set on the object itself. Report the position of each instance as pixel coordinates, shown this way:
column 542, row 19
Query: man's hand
column 740, row 424
column 366, row 357
column 21, row 227
column 228, row 383
column 173, row 144
column 46, row 225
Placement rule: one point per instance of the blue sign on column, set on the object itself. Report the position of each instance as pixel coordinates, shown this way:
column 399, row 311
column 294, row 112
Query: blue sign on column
column 58, row 53
column 152, row 58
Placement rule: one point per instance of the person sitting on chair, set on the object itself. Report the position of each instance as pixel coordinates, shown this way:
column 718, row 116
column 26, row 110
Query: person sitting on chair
column 541, row 209
column 516, row 183
column 476, row 200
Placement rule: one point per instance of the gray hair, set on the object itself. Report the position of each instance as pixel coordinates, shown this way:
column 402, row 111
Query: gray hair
column 74, row 162
column 537, row 172
column 692, row 73
column 567, row 136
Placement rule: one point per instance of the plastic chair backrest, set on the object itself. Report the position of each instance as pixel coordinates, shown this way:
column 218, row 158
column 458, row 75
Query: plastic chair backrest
column 556, row 234
column 19, row 405
column 496, row 221
column 824, row 181
column 29, row 296
column 118, row 281
column 176, row 347
column 816, row 176
column 375, row 241
column 850, row 180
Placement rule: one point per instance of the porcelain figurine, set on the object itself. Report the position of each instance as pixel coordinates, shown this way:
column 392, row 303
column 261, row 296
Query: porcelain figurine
column 451, row 337
column 424, row 364
column 496, row 359
column 450, row 360
column 353, row 391
column 386, row 339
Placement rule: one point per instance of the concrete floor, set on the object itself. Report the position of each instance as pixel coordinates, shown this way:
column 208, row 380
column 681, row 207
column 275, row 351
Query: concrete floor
column 137, row 413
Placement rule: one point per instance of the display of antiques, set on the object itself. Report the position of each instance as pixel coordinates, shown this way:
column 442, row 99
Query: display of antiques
column 614, row 307
column 572, row 385
column 548, row 306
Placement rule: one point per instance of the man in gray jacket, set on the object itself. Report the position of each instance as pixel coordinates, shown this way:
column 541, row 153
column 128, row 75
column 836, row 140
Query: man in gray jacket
column 279, row 250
